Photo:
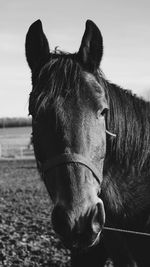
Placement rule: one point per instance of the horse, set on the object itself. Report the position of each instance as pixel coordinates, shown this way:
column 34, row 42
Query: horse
column 91, row 142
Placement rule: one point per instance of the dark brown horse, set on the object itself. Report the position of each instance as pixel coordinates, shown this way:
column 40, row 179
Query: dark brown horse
column 93, row 177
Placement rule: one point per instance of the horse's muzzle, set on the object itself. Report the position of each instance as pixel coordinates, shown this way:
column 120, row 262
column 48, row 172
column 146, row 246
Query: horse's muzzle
column 82, row 232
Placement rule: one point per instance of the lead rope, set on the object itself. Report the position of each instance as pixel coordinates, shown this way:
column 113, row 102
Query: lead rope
column 126, row 231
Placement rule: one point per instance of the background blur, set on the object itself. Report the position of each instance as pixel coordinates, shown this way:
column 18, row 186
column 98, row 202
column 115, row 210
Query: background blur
column 125, row 26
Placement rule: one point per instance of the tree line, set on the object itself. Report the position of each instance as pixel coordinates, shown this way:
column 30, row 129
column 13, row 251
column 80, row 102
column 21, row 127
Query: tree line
column 15, row 122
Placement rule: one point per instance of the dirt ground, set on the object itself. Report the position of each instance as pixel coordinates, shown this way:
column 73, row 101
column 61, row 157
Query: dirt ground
column 26, row 236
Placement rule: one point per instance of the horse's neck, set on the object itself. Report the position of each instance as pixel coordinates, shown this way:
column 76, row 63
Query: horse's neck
column 127, row 163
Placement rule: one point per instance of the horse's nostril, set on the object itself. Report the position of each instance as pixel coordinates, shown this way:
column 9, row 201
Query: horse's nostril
column 60, row 220
column 98, row 218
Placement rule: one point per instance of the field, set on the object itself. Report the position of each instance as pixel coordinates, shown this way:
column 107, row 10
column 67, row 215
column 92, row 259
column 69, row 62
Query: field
column 14, row 142
column 15, row 135
column 26, row 235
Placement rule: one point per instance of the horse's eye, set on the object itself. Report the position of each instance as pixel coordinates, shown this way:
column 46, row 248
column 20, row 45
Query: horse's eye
column 104, row 111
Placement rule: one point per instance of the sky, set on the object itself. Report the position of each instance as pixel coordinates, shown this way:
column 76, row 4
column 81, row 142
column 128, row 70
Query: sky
column 125, row 27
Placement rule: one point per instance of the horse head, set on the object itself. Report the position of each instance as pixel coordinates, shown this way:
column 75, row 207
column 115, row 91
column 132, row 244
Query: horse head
column 68, row 105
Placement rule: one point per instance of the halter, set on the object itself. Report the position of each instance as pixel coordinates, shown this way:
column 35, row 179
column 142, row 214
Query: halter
column 67, row 158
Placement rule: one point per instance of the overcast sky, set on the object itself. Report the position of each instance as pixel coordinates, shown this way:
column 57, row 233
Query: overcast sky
column 125, row 26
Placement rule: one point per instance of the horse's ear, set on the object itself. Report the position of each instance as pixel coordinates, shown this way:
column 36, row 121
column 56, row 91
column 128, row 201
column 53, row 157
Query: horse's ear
column 36, row 44
column 91, row 49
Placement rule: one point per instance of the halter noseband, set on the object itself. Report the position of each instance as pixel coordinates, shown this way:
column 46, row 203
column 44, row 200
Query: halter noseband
column 67, row 158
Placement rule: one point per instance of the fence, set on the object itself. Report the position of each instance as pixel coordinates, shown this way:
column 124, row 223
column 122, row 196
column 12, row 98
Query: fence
column 16, row 151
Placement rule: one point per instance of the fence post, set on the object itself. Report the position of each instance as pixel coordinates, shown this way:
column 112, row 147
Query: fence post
column 21, row 152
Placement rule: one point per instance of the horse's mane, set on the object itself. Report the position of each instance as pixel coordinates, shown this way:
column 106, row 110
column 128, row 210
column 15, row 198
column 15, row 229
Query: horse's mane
column 128, row 117
column 59, row 75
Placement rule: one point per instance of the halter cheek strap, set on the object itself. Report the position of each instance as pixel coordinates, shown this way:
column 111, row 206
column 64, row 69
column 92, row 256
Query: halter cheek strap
column 111, row 134
column 67, row 158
